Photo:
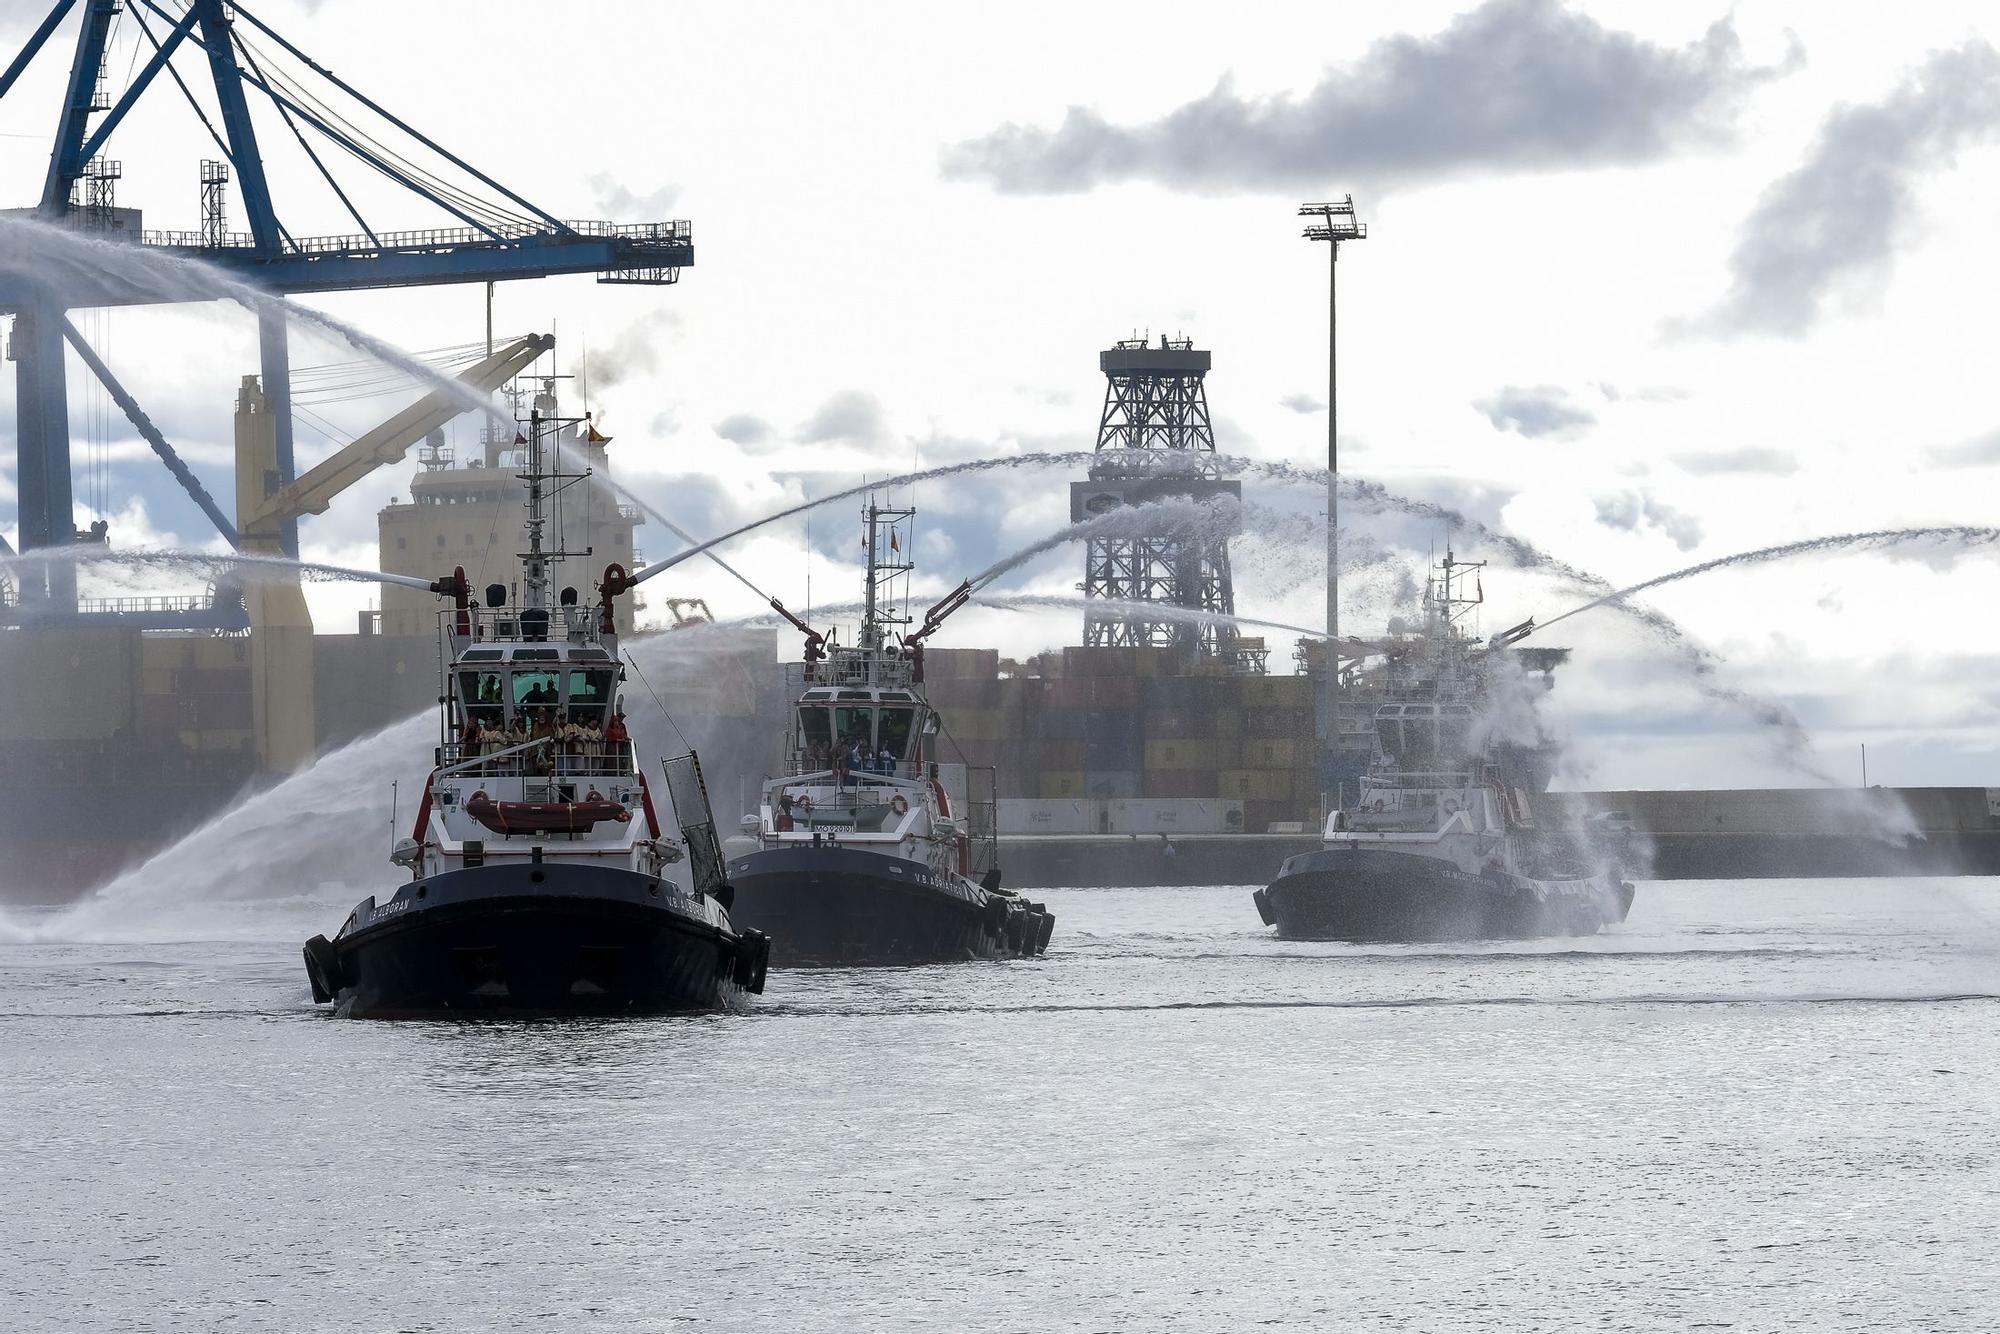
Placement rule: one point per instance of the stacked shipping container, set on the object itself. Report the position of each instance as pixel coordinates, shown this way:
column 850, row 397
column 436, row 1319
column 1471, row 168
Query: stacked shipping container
column 1115, row 725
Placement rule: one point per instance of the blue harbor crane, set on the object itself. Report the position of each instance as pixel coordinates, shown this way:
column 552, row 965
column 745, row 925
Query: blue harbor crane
column 498, row 234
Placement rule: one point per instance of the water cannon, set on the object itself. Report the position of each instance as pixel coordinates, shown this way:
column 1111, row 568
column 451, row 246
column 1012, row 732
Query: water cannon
column 616, row 581
column 815, row 641
column 935, row 617
column 1509, row 637
column 942, row 608
column 456, row 587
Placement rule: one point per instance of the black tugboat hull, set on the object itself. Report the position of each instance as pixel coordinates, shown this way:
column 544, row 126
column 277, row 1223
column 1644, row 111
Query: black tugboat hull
column 835, row 905
column 1369, row 894
column 549, row 939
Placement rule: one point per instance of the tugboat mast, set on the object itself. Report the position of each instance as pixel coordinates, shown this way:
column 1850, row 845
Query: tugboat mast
column 884, row 568
column 535, row 572
column 535, row 560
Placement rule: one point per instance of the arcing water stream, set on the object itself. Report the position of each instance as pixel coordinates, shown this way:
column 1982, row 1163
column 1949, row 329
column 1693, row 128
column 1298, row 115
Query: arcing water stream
column 209, row 564
column 1151, row 610
column 223, row 868
column 1960, row 536
column 260, row 869
column 631, row 497
column 58, row 260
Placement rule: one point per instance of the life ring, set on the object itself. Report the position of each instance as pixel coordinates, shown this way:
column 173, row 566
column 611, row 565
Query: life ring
column 1377, row 808
column 1450, row 806
column 804, row 803
column 899, row 804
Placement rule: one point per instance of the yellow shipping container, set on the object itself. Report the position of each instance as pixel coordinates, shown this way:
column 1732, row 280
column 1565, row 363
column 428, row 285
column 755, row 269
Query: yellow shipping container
column 978, row 724
column 221, row 652
column 1062, row 783
column 1255, row 784
column 1179, row 754
column 1277, row 692
column 1272, row 753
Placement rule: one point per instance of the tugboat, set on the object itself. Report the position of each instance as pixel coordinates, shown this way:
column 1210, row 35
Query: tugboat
column 541, row 880
column 862, row 856
column 1440, row 841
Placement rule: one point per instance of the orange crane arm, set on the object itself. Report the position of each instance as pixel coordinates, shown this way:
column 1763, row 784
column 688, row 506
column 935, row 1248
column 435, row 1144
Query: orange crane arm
column 315, row 490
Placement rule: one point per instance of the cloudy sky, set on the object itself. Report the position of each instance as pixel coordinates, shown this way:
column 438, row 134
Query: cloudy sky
column 1645, row 285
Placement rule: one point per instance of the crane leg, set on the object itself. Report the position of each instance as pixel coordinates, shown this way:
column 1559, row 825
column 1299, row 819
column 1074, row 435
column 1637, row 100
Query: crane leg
column 41, row 399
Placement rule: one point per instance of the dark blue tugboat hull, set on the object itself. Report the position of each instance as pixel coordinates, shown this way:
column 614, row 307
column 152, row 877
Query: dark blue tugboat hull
column 554, row 938
column 1371, row 894
column 835, row 905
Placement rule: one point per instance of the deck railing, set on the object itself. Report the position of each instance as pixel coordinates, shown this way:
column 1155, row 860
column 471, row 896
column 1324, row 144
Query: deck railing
column 559, row 759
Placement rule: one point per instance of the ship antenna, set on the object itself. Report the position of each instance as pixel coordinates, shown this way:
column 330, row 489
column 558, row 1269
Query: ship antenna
column 536, row 585
column 871, row 635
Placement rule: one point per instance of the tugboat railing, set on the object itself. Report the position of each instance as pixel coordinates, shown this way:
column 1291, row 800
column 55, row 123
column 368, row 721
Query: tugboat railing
column 523, row 625
column 581, row 759
column 907, row 771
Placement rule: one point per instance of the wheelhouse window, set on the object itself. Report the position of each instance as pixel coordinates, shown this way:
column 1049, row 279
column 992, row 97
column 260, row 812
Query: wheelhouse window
column 853, row 725
column 1419, row 734
column 481, row 694
column 1454, row 732
column 897, row 728
column 1389, row 730
column 537, row 689
column 589, row 694
column 815, row 733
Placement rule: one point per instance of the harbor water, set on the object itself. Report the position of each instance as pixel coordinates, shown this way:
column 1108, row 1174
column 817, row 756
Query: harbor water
column 1756, row 1105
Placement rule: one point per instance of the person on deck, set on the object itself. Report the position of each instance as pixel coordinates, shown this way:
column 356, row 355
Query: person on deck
column 840, row 754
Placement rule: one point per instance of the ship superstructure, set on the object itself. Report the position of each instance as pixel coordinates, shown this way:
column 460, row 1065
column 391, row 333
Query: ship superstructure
column 862, row 855
column 542, row 878
column 467, row 510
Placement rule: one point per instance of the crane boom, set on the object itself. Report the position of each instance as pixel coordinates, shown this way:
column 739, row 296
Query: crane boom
column 313, row 492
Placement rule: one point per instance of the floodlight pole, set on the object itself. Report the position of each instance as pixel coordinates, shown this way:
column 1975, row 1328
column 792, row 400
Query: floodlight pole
column 1335, row 222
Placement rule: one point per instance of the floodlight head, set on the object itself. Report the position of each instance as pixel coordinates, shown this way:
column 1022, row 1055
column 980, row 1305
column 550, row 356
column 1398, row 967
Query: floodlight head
column 1336, row 221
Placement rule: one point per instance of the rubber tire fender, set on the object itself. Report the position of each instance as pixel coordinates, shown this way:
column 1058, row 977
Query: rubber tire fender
column 1048, row 925
column 753, row 960
column 322, row 969
column 1262, row 898
column 1017, row 932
